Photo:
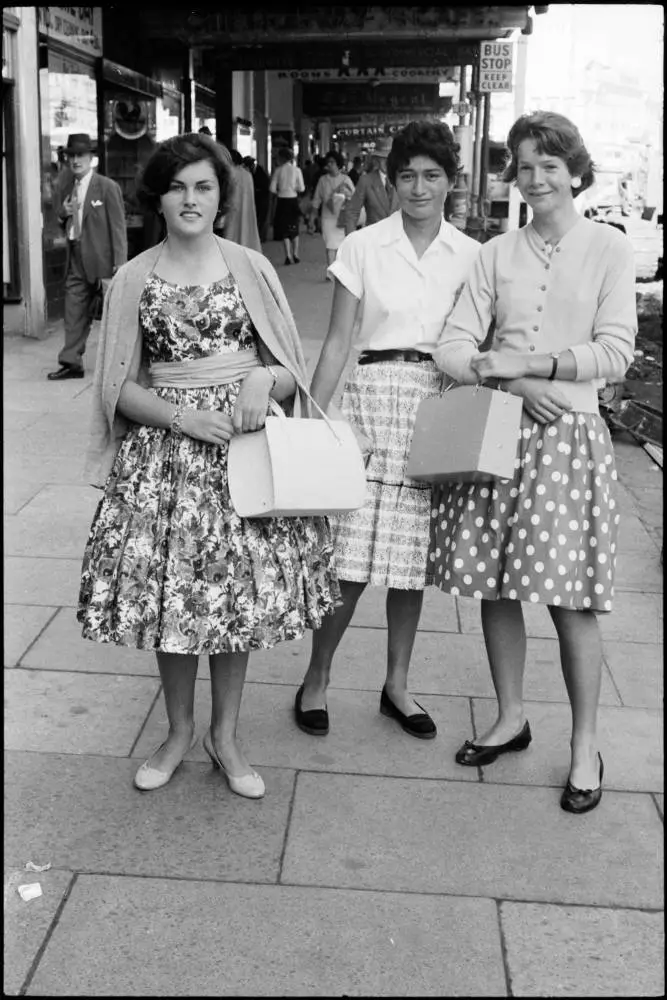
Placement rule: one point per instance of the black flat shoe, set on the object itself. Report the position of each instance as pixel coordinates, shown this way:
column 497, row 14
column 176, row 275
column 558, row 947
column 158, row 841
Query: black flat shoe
column 287, row 261
column 581, row 800
column 420, row 724
column 476, row 756
column 315, row 721
column 65, row 371
column 297, row 260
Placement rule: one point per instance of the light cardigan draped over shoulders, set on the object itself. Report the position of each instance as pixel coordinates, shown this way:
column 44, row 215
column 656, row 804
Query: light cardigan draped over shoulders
column 580, row 297
column 119, row 353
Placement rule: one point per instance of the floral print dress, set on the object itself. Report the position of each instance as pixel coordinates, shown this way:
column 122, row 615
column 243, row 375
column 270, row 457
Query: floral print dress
column 169, row 566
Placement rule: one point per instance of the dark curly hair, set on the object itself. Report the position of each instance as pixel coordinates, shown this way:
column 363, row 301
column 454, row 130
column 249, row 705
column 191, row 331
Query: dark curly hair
column 336, row 157
column 173, row 155
column 424, row 138
column 553, row 135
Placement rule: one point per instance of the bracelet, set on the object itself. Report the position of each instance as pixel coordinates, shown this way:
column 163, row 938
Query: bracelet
column 176, row 420
column 554, row 367
column 274, row 375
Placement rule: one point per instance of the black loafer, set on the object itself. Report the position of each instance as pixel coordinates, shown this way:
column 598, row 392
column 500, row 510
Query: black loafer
column 420, row 724
column 581, row 800
column 315, row 722
column 476, row 756
column 65, row 371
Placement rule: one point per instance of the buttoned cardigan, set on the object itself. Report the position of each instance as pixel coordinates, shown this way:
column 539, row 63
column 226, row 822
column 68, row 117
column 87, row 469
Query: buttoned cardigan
column 119, row 353
column 580, row 297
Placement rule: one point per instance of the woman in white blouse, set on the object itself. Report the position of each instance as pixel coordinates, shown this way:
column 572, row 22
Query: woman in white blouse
column 286, row 186
column 562, row 294
column 333, row 189
column 395, row 282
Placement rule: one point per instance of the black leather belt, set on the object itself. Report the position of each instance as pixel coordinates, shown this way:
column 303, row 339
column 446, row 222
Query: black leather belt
column 372, row 357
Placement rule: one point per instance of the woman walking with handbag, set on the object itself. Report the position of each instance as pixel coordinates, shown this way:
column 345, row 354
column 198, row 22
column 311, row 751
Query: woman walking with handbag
column 196, row 338
column 395, row 282
column 562, row 294
column 286, row 186
column 333, row 189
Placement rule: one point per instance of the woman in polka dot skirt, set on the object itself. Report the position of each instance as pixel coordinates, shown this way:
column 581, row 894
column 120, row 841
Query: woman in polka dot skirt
column 561, row 292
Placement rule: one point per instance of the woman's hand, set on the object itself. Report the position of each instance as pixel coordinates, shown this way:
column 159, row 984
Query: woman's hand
column 498, row 364
column 252, row 401
column 542, row 400
column 210, row 426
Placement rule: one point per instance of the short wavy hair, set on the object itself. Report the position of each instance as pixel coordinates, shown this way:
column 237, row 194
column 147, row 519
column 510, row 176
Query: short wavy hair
column 553, row 135
column 424, row 138
column 172, row 155
column 334, row 155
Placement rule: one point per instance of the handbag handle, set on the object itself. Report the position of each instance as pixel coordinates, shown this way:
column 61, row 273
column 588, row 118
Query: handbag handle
column 278, row 411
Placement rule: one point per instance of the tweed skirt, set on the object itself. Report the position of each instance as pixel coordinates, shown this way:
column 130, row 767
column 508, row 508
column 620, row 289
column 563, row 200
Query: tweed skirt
column 547, row 536
column 386, row 542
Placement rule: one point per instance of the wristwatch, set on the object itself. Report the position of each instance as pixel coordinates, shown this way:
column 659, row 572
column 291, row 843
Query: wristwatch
column 554, row 367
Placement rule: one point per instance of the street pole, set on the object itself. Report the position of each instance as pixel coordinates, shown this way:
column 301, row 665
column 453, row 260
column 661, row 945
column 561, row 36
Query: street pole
column 519, row 107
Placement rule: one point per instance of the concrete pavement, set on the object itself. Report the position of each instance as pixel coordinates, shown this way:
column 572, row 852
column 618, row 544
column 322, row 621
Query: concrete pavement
column 374, row 866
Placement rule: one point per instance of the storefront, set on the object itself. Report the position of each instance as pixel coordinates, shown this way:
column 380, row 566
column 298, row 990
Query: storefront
column 137, row 113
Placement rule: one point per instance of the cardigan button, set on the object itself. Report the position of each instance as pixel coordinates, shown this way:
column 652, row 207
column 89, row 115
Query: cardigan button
column 532, row 347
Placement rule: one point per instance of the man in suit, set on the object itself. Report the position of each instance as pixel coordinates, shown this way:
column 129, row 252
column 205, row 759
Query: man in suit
column 93, row 217
column 374, row 192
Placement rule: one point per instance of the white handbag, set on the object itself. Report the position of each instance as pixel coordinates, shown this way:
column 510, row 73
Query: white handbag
column 296, row 467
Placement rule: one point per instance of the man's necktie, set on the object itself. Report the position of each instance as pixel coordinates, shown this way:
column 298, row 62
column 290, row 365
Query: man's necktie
column 76, row 224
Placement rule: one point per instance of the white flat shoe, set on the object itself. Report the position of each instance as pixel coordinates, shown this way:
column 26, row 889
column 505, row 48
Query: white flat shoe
column 148, row 778
column 250, row 786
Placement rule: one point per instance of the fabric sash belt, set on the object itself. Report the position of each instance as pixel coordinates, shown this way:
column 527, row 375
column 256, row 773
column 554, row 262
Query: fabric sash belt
column 216, row 369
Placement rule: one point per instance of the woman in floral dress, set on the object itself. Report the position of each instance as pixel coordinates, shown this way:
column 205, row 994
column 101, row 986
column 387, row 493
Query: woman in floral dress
column 169, row 566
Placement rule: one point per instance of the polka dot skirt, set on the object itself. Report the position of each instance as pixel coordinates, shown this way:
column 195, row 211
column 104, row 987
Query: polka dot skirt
column 548, row 535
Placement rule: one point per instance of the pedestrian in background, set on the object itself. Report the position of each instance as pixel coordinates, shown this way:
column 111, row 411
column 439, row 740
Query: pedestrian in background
column 93, row 217
column 333, row 190
column 396, row 281
column 260, row 181
column 286, row 186
column 187, row 358
column 240, row 222
column 354, row 173
column 374, row 192
column 561, row 292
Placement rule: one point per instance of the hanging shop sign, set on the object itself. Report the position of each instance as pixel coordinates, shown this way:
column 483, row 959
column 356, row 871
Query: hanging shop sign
column 80, row 27
column 363, row 60
column 394, row 74
column 130, row 118
column 321, row 100
column 495, row 66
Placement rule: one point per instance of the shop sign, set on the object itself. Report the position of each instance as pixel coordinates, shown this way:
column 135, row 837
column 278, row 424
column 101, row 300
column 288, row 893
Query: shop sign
column 364, row 132
column 395, row 74
column 320, row 55
column 495, row 66
column 324, row 100
column 80, row 27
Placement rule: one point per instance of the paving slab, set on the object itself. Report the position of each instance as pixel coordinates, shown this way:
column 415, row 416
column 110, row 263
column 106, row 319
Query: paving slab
column 660, row 803
column 638, row 672
column 39, row 581
column 639, row 568
column 18, row 492
column 26, row 923
column 61, row 647
column 22, row 625
column 578, row 951
column 29, row 395
column 474, row 840
column 636, row 617
column 438, row 611
column 282, row 941
column 360, row 740
column 61, row 712
column 630, row 741
column 442, row 663
column 84, row 814
column 56, row 522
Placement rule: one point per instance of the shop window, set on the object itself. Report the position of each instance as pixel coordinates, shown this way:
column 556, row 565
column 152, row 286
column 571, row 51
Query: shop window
column 69, row 104
column 168, row 115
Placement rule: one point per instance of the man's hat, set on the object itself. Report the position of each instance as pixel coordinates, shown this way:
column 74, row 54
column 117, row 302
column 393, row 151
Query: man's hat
column 79, row 142
column 383, row 147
